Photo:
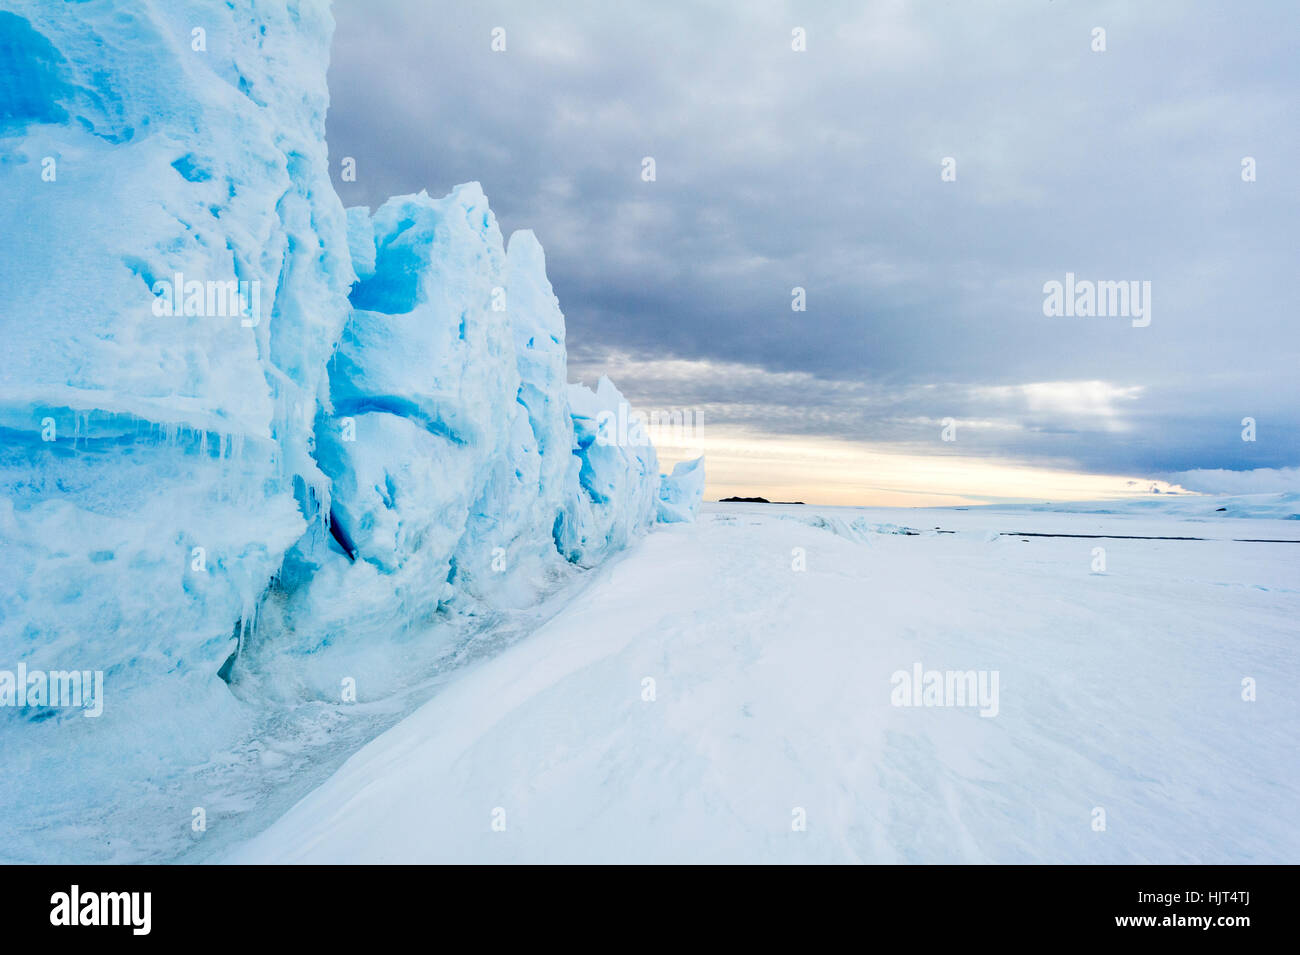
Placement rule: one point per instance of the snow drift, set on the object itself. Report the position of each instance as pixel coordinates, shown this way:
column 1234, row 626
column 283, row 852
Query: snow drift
column 253, row 441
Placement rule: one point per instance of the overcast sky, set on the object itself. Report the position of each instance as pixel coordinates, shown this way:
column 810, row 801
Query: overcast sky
column 822, row 169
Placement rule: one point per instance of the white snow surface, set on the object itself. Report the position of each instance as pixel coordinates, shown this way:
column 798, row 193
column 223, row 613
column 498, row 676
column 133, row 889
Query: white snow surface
column 1119, row 690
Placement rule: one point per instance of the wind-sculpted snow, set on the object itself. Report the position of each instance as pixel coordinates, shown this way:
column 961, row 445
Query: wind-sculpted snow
column 254, row 444
column 772, row 698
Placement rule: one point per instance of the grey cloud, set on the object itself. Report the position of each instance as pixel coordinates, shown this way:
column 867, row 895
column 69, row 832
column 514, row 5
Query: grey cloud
column 821, row 170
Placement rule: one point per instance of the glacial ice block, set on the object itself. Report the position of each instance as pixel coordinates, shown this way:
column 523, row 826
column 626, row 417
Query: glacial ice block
column 254, row 443
column 618, row 476
column 681, row 492
column 172, row 283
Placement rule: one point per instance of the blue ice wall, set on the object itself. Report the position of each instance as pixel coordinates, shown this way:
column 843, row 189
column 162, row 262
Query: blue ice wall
column 253, row 441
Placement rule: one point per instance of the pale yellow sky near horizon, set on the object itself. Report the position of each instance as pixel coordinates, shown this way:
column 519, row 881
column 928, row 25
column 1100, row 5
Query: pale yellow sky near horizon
column 767, row 460
column 846, row 473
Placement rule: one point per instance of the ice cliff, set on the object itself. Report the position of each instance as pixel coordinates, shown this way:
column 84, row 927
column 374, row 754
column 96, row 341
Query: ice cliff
column 253, row 443
column 681, row 492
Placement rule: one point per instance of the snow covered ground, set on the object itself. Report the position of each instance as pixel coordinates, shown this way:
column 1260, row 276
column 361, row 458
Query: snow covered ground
column 769, row 733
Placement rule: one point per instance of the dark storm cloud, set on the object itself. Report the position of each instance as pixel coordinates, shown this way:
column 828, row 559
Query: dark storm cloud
column 821, row 170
